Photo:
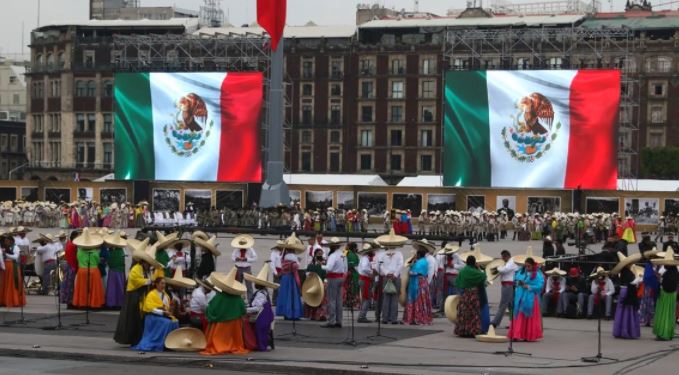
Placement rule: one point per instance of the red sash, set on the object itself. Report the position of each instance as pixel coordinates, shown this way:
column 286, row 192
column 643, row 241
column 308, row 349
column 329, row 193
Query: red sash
column 366, row 288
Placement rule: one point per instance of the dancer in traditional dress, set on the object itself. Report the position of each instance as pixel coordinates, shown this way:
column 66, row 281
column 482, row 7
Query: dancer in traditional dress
column 115, row 282
column 527, row 322
column 259, row 310
column 471, row 281
column 89, row 287
column 665, row 310
column 12, row 292
column 225, row 313
column 418, row 301
column 70, row 270
column 289, row 303
column 158, row 320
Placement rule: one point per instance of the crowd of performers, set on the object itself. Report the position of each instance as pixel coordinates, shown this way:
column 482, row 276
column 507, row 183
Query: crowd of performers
column 234, row 311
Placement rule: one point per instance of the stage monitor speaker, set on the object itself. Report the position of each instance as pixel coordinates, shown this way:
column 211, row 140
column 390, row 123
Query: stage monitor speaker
column 254, row 191
column 142, row 191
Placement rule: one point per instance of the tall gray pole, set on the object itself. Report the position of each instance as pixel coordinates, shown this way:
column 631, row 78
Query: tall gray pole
column 274, row 189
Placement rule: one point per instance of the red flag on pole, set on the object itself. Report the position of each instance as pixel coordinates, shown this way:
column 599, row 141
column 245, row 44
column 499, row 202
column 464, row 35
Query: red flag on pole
column 271, row 17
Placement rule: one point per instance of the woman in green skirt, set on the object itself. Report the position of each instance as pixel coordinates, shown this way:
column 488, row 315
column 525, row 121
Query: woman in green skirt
column 665, row 308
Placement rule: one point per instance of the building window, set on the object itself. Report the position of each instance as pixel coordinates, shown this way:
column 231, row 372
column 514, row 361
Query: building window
column 108, row 89
column 12, row 80
column 91, row 153
column 108, row 154
column 3, row 142
column 91, row 89
column 55, row 122
column 50, row 61
column 88, row 59
column 61, row 62
column 395, row 162
column 108, row 123
column 38, row 89
column 335, row 136
column 659, row 64
column 307, row 68
column 306, row 161
column 398, row 66
column 426, row 164
column 307, row 112
column 555, row 62
column 656, row 138
column 397, row 89
column 16, row 99
column 366, row 162
column 396, row 113
column 366, row 138
column 335, row 89
column 657, row 89
column 428, row 66
column 306, row 136
column 522, row 63
column 13, row 143
column 336, row 68
column 366, row 113
column 335, row 112
column 37, row 151
column 396, row 137
column 37, row 123
column 55, row 88
column 366, row 66
column 427, row 113
column 367, row 89
column 91, row 122
column 307, row 89
column 38, row 62
column 428, row 89
column 80, row 153
column 334, row 161
column 657, row 114
column 55, row 152
column 80, row 88
column 80, row 122
column 426, row 139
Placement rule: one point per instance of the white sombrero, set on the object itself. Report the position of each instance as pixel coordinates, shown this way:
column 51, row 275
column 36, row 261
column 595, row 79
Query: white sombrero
column 164, row 241
column 625, row 261
column 293, row 243
column 491, row 270
column 450, row 307
column 179, row 280
column 210, row 245
column 262, row 278
column 115, row 240
column 186, row 339
column 87, row 240
column 481, row 259
column 313, row 290
column 243, row 241
column 556, row 272
column 424, row 244
column 227, row 283
column 391, row 239
column 667, row 260
column 521, row 258
column 491, row 336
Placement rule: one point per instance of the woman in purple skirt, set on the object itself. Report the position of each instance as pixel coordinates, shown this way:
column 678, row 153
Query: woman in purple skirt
column 626, row 323
column 115, row 282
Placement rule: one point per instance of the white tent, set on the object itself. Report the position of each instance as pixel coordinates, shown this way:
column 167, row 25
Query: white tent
column 334, row 179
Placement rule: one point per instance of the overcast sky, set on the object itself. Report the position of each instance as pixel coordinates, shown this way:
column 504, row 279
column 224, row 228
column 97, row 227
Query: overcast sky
column 329, row 12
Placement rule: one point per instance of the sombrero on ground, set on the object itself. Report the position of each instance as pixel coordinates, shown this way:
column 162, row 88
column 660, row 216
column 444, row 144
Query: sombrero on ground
column 262, row 278
column 521, row 258
column 391, row 239
column 450, row 307
column 243, row 241
column 313, row 290
column 227, row 283
column 491, row 336
column 87, row 240
column 179, row 280
column 209, row 245
column 186, row 339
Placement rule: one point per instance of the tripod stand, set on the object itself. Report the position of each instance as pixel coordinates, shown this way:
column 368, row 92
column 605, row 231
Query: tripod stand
column 510, row 349
column 58, row 296
column 378, row 312
column 294, row 332
column 350, row 296
column 599, row 356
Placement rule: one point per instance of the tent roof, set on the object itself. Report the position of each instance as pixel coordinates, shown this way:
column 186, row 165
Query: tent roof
column 335, row 179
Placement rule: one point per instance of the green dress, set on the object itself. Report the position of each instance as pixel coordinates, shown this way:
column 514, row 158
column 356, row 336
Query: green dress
column 665, row 315
column 163, row 258
column 116, row 260
column 224, row 307
column 88, row 258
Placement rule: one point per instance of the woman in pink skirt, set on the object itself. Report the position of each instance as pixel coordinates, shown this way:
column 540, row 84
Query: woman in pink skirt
column 527, row 322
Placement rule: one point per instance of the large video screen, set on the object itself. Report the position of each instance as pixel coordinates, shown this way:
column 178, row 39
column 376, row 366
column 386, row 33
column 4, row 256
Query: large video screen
column 188, row 126
column 531, row 129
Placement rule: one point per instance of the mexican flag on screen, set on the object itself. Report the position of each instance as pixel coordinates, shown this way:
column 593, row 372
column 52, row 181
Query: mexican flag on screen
column 188, row 126
column 531, row 129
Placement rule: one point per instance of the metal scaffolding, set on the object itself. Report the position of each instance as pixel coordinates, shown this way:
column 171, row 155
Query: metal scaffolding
column 198, row 53
column 559, row 48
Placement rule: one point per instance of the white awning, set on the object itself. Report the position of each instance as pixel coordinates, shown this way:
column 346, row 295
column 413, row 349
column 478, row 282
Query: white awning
column 334, row 179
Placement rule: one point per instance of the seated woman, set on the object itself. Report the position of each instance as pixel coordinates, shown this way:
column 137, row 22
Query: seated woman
column 260, row 312
column 158, row 321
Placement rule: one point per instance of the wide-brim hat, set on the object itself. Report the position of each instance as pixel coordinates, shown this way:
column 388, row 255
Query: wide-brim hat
column 335, row 242
column 450, row 307
column 200, row 234
column 210, row 245
column 44, row 237
column 481, row 259
column 88, row 240
column 391, row 239
column 243, row 241
column 599, row 271
column 556, row 272
column 187, row 339
column 115, row 240
column 491, row 336
column 164, row 241
column 450, row 249
column 185, row 243
column 62, row 234
column 667, row 260
column 625, row 261
column 262, row 278
column 179, row 280
column 293, row 243
column 491, row 269
column 521, row 258
column 367, row 247
column 424, row 244
column 227, row 283
column 313, row 290
column 22, row 229
column 405, row 277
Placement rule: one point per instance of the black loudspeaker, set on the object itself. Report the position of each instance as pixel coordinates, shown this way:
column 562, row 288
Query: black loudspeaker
column 577, row 200
column 142, row 191
column 254, row 191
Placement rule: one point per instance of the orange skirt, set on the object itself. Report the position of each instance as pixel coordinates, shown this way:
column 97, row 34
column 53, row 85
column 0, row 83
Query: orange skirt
column 11, row 291
column 95, row 292
column 225, row 338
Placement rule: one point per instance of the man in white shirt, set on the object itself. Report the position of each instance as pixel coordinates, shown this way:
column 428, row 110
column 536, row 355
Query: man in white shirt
column 391, row 264
column 507, row 292
column 243, row 256
column 367, row 270
column 602, row 288
column 310, row 250
column 555, row 287
column 20, row 238
column 47, row 254
column 336, row 269
column 198, row 305
column 276, row 264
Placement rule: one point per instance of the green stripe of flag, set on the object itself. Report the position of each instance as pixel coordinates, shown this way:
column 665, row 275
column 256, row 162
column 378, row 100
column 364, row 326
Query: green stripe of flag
column 134, row 157
column 466, row 130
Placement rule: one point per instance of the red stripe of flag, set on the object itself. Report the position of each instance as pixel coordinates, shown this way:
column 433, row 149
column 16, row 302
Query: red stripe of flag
column 271, row 17
column 592, row 153
column 241, row 103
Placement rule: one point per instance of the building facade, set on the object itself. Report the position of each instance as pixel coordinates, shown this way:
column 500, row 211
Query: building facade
column 12, row 90
column 12, row 149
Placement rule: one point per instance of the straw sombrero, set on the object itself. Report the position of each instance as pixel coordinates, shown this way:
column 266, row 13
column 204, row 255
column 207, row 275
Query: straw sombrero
column 44, row 237
column 491, row 336
column 210, row 245
column 391, row 239
column 450, row 307
column 262, row 278
column 115, row 240
column 335, row 242
column 179, row 280
column 200, row 234
column 227, row 283
column 22, row 229
column 667, row 260
column 556, row 272
column 481, row 259
column 600, row 271
column 293, row 243
column 243, row 241
column 424, row 244
column 405, row 277
column 87, row 240
column 491, row 270
column 187, row 339
column 313, row 290
column 367, row 247
column 164, row 241
column 62, row 234
column 450, row 249
column 625, row 262
column 521, row 258
column 638, row 271
column 185, row 243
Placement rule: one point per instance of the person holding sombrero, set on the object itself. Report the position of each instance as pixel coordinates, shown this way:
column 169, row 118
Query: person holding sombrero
column 527, row 322
column 665, row 310
column 208, row 253
column 289, row 302
column 89, row 286
column 224, row 314
column 390, row 265
column 626, row 322
column 130, row 321
column 12, row 293
column 243, row 256
column 315, row 265
column 162, row 256
column 115, row 282
column 259, row 309
column 602, row 289
column 367, row 274
column 418, row 301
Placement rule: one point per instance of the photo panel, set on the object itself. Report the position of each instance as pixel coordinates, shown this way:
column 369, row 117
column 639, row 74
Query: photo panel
column 407, row 201
column 644, row 211
column 540, row 205
column 58, row 195
column 8, row 193
column 607, row 205
column 200, row 199
column 345, row 200
column 295, row 197
column 374, row 203
column 476, row 203
column 440, row 202
column 166, row 200
column 671, row 207
column 506, row 204
column 108, row 196
column 229, row 199
column 30, row 193
column 318, row 200
column 85, row 194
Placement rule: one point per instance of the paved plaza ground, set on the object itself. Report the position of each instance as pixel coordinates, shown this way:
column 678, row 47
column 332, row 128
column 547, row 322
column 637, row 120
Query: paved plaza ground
column 404, row 349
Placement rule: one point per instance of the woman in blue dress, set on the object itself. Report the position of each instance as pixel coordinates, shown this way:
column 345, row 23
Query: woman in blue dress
column 158, row 321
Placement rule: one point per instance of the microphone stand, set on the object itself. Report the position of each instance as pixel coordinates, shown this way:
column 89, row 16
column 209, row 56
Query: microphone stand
column 350, row 296
column 599, row 356
column 379, row 309
column 510, row 349
column 294, row 332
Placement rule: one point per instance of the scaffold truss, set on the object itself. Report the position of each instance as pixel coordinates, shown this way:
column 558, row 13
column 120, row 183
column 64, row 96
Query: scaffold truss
column 560, row 48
